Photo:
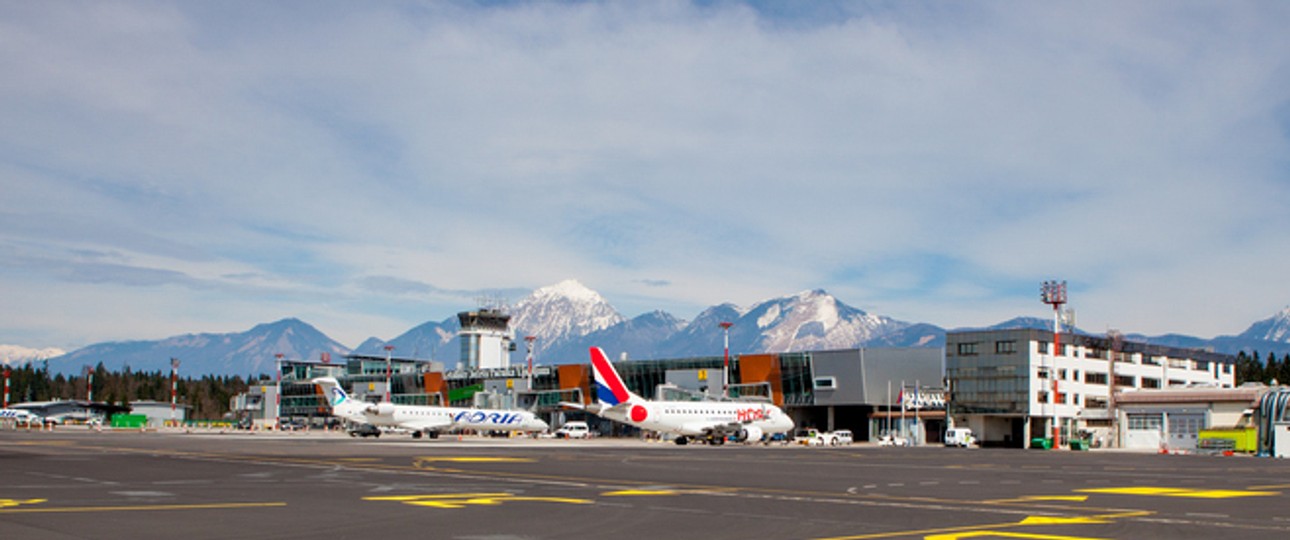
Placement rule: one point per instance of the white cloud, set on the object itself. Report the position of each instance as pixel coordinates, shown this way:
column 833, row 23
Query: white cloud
column 930, row 163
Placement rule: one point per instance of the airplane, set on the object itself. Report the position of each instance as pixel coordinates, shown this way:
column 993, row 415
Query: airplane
column 425, row 419
column 710, row 421
column 21, row 416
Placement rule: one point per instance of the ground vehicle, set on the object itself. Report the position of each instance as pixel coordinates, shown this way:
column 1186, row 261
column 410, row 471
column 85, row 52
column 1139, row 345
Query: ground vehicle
column 892, row 440
column 814, row 437
column 573, row 430
column 844, row 436
column 961, row 437
column 364, row 430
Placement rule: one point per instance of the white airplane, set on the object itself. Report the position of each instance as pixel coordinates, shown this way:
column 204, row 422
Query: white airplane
column 21, row 416
column 426, row 419
column 711, row 421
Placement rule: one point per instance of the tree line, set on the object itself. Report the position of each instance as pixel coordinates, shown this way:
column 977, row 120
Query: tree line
column 1251, row 368
column 207, row 396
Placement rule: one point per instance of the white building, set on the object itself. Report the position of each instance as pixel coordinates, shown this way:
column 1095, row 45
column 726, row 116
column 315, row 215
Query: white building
column 1011, row 386
column 159, row 413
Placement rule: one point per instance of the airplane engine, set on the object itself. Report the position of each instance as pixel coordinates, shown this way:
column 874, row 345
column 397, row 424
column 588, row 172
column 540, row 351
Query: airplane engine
column 749, row 434
column 385, row 409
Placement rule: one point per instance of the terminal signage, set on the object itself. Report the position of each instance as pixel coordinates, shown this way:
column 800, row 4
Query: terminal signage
column 513, row 372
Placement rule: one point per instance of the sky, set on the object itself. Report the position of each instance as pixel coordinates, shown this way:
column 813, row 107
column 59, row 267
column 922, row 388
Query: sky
column 184, row 167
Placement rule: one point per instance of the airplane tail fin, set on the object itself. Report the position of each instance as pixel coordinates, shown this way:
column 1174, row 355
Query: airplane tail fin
column 610, row 389
column 336, row 395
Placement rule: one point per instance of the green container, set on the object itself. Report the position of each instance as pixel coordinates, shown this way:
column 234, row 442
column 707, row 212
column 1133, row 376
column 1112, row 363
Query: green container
column 129, row 421
column 1079, row 444
column 1041, row 443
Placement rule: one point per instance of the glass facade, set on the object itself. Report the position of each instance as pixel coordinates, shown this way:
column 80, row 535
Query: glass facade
column 989, row 383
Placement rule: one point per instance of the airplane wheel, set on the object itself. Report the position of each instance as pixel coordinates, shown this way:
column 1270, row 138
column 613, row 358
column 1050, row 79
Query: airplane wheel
column 434, row 434
column 416, row 434
column 682, row 440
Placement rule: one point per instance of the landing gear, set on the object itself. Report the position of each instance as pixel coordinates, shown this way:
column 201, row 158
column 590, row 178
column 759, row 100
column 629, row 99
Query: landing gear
column 682, row 440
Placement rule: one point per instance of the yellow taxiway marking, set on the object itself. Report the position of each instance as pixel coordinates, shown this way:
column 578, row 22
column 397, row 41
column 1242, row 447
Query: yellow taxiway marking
column 638, row 492
column 996, row 529
column 461, row 500
column 1180, row 492
column 1037, row 498
column 1045, row 520
column 143, row 508
column 10, row 503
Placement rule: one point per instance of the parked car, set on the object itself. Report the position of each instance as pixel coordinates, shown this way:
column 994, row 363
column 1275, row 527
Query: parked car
column 844, row 436
column 364, row 430
column 892, row 440
column 573, row 430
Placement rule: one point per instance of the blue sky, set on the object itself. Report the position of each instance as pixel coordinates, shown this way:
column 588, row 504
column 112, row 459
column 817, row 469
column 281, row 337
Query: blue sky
column 179, row 167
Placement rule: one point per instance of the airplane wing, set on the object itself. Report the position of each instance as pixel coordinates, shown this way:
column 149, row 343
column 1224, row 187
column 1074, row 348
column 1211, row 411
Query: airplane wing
column 594, row 408
column 427, row 424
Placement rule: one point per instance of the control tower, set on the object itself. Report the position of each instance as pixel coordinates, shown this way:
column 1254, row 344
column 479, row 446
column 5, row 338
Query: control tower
column 486, row 341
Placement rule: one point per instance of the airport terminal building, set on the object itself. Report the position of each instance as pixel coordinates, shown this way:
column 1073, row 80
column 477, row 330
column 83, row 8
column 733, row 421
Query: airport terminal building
column 868, row 391
column 1013, row 386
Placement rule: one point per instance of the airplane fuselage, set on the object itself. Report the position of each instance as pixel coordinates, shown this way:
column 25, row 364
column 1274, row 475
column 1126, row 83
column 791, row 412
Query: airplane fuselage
column 695, row 418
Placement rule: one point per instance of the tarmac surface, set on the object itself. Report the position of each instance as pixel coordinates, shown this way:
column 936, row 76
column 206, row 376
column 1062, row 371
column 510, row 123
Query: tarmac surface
column 78, row 483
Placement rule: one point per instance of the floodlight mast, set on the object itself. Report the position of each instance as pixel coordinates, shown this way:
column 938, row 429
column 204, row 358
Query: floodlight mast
column 1054, row 294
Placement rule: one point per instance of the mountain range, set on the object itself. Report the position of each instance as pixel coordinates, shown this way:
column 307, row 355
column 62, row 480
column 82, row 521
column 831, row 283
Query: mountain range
column 567, row 317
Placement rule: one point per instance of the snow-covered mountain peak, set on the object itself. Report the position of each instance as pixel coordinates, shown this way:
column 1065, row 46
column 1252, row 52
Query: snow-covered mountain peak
column 815, row 319
column 1275, row 328
column 565, row 310
column 570, row 289
column 12, row 355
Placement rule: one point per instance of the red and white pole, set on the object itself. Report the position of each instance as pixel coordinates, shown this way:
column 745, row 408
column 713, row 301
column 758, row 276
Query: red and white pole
column 725, row 365
column 6, row 387
column 530, row 340
column 1054, row 294
column 174, row 386
column 89, row 384
column 388, row 383
column 277, row 395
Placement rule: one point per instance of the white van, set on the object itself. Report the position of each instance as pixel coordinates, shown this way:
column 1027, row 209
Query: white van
column 573, row 430
column 961, row 437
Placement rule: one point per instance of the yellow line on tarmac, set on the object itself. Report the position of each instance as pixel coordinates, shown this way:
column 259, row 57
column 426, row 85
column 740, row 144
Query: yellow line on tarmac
column 144, row 508
column 984, row 527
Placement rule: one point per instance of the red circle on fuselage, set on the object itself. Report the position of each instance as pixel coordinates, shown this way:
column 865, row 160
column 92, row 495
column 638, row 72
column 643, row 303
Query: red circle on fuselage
column 639, row 413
